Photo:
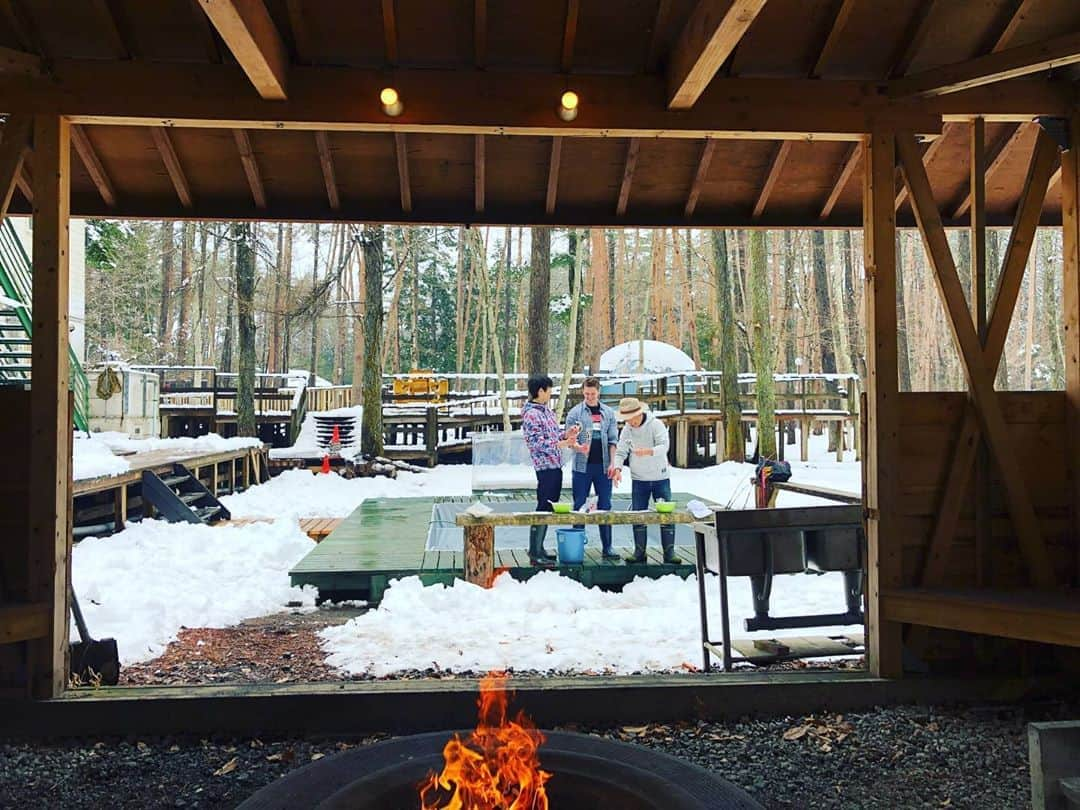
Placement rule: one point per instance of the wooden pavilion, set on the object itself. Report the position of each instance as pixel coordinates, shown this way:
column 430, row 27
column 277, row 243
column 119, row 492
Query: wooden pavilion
column 704, row 113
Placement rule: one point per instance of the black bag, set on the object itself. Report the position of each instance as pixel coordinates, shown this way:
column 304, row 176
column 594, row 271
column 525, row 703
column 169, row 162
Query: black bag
column 778, row 470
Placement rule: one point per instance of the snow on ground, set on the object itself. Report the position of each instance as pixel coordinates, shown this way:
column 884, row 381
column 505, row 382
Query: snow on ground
column 554, row 624
column 93, row 454
column 142, row 585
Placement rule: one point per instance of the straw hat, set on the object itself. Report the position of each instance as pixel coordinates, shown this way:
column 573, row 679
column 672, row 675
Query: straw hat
column 629, row 407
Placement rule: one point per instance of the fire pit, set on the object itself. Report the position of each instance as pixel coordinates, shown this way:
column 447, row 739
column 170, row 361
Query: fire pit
column 587, row 772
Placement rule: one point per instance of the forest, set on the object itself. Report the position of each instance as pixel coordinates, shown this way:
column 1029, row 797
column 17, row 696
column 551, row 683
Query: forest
column 516, row 299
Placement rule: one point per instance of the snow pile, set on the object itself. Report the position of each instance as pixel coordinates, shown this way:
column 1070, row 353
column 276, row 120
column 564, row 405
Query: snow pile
column 554, row 624
column 210, row 443
column 300, row 493
column 307, row 443
column 93, row 458
column 142, row 585
column 625, row 358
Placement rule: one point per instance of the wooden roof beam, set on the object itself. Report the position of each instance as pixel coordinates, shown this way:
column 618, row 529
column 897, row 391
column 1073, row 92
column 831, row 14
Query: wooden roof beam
column 913, row 39
column 835, row 31
column 995, row 156
column 479, row 168
column 1002, row 38
column 24, row 179
column 777, row 166
column 16, row 139
column 928, row 156
column 119, row 44
column 851, row 160
column 569, row 35
column 389, row 24
column 22, row 25
column 402, row 152
column 628, row 176
column 300, row 34
column 702, row 172
column 249, row 32
column 553, row 175
column 995, row 67
column 652, row 56
column 326, row 160
column 251, row 168
column 19, row 63
column 172, row 164
column 81, row 141
column 707, row 40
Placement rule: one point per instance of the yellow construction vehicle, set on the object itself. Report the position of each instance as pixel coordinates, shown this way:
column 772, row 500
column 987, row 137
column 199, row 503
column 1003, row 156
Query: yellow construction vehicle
column 421, row 386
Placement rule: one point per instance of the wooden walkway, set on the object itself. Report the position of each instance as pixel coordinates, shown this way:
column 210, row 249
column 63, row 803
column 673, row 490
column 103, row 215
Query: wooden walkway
column 385, row 539
column 315, row 528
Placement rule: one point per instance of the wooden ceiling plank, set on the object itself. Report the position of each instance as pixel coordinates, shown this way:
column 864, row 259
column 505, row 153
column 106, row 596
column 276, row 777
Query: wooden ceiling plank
column 1002, row 37
column 13, row 62
column 995, row 156
column 390, row 38
column 326, row 160
column 702, row 172
column 927, row 157
column 251, row 168
column 995, row 67
column 913, row 39
column 707, row 40
column 16, row 139
column 569, row 35
column 479, row 169
column 773, row 174
column 851, row 161
column 207, row 33
column 300, row 33
column 480, row 33
column 81, row 141
column 117, row 41
column 836, row 30
column 172, row 165
column 553, row 175
column 23, row 26
column 250, row 34
column 628, row 176
column 652, row 56
column 402, row 152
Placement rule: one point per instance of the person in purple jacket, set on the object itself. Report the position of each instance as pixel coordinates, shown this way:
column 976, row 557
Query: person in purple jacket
column 545, row 441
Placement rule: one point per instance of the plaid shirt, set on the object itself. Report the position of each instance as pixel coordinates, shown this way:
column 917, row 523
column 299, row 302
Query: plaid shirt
column 542, row 434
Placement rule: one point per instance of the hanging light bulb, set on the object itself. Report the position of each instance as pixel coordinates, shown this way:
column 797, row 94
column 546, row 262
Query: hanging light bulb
column 391, row 101
column 568, row 105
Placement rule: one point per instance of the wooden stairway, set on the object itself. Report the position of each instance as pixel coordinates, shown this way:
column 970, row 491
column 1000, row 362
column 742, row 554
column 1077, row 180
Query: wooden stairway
column 180, row 497
column 14, row 347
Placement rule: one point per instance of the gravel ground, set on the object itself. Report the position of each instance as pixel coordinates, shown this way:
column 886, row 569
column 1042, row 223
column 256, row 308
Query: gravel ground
column 899, row 757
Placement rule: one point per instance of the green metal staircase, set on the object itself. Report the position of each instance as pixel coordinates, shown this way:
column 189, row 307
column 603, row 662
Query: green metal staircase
column 16, row 325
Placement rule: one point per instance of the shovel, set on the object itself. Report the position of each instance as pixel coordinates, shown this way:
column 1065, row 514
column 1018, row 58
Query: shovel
column 93, row 659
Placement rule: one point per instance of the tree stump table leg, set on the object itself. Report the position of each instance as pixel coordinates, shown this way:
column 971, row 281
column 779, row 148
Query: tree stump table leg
column 480, row 555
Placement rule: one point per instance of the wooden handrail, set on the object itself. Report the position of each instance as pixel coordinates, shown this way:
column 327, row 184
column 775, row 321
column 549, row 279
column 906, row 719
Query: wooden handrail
column 574, row 518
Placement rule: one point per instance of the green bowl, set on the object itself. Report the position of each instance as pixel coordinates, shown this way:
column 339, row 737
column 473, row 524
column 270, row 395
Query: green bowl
column 665, row 506
column 561, row 508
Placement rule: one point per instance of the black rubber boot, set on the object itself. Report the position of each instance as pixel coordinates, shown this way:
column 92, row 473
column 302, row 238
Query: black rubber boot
column 537, row 555
column 606, row 551
column 668, row 545
column 638, row 556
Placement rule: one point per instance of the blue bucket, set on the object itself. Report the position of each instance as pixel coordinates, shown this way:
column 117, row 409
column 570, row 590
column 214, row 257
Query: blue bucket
column 571, row 546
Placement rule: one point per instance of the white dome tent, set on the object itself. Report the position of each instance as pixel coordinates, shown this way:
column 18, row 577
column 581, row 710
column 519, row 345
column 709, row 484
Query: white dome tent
column 645, row 357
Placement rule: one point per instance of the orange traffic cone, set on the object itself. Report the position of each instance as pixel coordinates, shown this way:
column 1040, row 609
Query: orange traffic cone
column 336, row 438
column 325, row 464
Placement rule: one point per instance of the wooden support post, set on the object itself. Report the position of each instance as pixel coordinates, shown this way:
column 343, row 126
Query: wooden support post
column 1070, row 218
column 682, row 393
column 480, row 555
column 50, row 421
column 721, row 441
column 804, row 436
column 983, row 513
column 119, row 507
column 883, row 537
column 247, row 471
column 431, row 436
column 682, row 443
column 232, row 476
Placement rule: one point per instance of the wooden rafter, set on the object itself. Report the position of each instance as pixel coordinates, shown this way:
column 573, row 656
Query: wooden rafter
column 836, row 30
column 980, row 381
column 16, row 138
column 1003, row 36
column 771, row 176
column 1001, row 315
column 251, row 168
column 928, row 156
column 553, row 175
column 652, row 56
column 207, row 33
column 480, row 33
column 913, row 39
column 479, row 168
column 390, row 40
column 1055, row 178
column 19, row 63
column 172, row 165
column 995, row 157
column 708, row 38
column 249, row 32
column 24, row 179
column 300, row 34
column 851, row 161
column 326, row 160
column 401, row 150
column 110, row 25
column 995, row 67
column 569, row 35
column 81, row 141
column 702, row 172
column 627, row 176
column 23, row 26
column 1070, row 307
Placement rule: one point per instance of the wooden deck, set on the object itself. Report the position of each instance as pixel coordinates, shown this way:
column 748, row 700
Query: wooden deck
column 315, row 528
column 385, row 539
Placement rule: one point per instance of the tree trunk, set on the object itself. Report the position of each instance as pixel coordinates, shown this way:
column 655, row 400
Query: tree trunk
column 273, row 348
column 313, row 361
column 245, row 300
column 1029, row 328
column 287, row 299
column 414, row 346
column 198, row 331
column 568, row 364
column 1052, row 310
column 168, row 249
column 371, row 438
column 993, row 263
column 600, row 322
column 227, row 344
column 761, row 330
column 903, row 357
column 359, row 332
column 539, row 300
column 734, row 449
column 210, row 342
column 459, row 310
column 340, row 315
column 824, row 304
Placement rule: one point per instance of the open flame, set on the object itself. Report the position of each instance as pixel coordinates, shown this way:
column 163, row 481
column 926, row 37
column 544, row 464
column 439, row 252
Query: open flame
column 497, row 767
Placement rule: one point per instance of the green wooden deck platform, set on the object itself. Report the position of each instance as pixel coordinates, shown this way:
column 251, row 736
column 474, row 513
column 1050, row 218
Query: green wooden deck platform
column 385, row 539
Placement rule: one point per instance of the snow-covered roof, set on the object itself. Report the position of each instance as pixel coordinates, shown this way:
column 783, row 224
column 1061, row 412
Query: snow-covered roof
column 659, row 357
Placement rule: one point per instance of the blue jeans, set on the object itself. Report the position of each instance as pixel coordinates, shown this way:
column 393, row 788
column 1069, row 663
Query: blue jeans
column 595, row 476
column 640, row 493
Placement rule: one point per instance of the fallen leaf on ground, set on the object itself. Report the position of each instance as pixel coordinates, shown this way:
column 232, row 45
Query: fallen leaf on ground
column 228, row 767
